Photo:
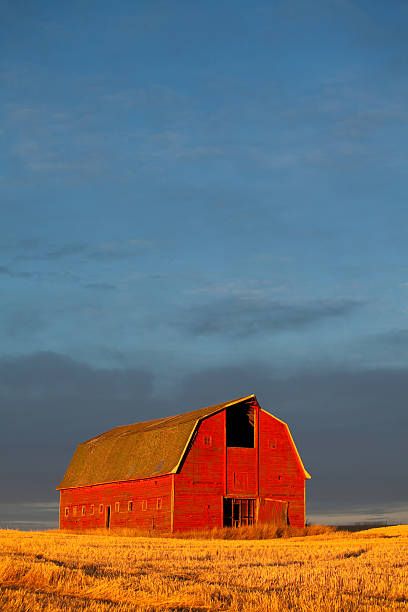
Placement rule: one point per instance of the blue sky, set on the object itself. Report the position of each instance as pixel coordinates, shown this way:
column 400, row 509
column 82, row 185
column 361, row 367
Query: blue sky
column 203, row 193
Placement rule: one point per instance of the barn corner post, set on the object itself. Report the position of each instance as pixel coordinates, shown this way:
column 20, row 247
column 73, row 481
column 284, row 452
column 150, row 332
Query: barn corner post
column 258, row 461
column 225, row 472
column 172, row 503
column 257, row 438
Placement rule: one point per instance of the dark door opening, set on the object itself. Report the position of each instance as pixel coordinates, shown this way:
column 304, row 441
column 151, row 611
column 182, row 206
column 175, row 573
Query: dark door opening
column 239, row 512
column 240, row 426
column 108, row 517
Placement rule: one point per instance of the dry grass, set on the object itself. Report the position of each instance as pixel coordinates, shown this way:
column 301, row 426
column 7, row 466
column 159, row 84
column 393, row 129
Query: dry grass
column 336, row 572
column 256, row 532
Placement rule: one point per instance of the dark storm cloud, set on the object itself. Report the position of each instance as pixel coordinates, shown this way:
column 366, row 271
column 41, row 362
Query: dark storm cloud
column 239, row 316
column 48, row 404
column 350, row 427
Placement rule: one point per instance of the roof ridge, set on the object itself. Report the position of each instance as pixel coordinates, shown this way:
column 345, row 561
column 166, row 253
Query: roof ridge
column 159, row 423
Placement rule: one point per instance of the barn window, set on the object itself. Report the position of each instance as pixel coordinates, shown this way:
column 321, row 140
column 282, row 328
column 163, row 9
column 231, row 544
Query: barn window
column 240, row 426
column 92, row 510
column 117, row 506
column 66, row 511
column 241, row 480
column 207, row 440
column 83, row 510
column 159, row 503
column 144, row 505
column 100, row 508
column 130, row 506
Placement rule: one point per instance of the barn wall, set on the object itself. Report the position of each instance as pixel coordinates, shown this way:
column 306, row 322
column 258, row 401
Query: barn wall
column 280, row 475
column 199, row 487
column 210, row 471
column 151, row 505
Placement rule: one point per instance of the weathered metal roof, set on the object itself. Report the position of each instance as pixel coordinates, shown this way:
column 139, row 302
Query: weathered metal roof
column 141, row 450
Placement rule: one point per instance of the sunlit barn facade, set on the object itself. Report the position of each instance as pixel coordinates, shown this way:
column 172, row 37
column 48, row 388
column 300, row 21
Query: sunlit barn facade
column 232, row 464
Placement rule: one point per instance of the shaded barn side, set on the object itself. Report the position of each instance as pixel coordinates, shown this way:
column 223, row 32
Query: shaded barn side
column 281, row 473
column 142, row 504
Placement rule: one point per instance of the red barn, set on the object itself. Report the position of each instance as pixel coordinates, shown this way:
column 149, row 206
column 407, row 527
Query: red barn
column 226, row 465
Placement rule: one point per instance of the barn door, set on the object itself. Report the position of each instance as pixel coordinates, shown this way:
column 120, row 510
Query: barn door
column 108, row 517
column 273, row 511
column 239, row 512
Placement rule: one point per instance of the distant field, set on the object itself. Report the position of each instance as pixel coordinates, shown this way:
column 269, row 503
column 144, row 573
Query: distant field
column 337, row 572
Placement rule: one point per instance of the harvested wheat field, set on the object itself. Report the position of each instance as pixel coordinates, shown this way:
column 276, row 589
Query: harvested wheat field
column 332, row 572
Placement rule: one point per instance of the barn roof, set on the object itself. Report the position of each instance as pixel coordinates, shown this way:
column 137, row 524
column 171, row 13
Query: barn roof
column 142, row 450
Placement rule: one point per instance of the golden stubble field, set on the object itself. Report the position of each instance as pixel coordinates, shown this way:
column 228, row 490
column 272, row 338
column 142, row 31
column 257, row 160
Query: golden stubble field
column 333, row 572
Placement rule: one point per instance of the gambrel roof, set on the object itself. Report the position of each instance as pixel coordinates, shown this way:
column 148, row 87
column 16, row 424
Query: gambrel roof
column 141, row 450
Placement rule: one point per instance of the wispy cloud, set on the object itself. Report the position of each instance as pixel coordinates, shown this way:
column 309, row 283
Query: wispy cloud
column 5, row 271
column 395, row 339
column 248, row 316
column 100, row 286
column 66, row 250
column 104, row 251
column 239, row 288
column 23, row 322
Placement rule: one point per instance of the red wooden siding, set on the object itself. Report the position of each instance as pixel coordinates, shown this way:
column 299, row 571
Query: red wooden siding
column 151, row 500
column 280, row 474
column 199, row 487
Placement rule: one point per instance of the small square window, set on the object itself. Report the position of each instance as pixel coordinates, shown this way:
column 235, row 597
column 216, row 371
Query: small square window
column 144, row 505
column 117, row 506
column 159, row 503
column 66, row 511
column 207, row 440
column 130, row 506
column 100, row 508
column 83, row 510
column 92, row 510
